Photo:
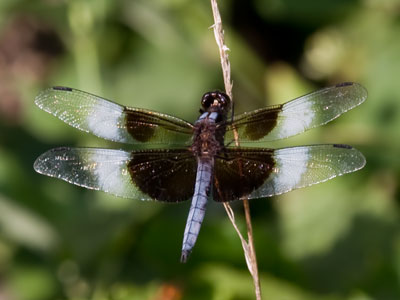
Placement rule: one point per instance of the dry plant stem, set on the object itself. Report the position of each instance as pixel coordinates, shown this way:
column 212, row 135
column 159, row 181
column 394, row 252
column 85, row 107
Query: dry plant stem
column 223, row 49
column 248, row 246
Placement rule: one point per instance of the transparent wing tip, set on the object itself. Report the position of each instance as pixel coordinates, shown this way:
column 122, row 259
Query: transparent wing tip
column 357, row 161
column 43, row 96
column 360, row 159
column 358, row 89
column 44, row 164
column 40, row 164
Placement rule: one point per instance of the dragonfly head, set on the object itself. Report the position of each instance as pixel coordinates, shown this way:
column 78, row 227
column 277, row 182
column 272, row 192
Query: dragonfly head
column 215, row 101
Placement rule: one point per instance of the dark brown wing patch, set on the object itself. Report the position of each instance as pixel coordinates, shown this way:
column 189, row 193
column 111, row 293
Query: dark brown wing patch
column 139, row 126
column 164, row 175
column 238, row 172
column 148, row 126
column 255, row 125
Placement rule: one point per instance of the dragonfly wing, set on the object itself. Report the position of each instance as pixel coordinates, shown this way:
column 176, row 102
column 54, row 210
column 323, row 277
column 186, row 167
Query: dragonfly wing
column 259, row 173
column 112, row 121
column 296, row 116
column 163, row 175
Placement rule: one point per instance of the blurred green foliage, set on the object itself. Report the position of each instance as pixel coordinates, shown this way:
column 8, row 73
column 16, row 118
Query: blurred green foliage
column 336, row 240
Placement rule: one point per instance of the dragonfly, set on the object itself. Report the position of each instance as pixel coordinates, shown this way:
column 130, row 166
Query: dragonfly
column 199, row 161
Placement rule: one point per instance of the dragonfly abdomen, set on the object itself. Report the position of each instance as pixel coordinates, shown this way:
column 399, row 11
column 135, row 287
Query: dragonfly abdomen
column 198, row 207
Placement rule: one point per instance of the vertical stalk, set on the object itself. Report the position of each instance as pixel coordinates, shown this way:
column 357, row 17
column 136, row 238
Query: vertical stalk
column 248, row 246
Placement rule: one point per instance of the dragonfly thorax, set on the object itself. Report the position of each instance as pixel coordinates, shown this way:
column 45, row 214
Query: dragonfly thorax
column 205, row 143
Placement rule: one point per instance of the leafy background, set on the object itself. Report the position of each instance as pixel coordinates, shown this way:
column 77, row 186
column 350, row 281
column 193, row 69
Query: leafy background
column 337, row 240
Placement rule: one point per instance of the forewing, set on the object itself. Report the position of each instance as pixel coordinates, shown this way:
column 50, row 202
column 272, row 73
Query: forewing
column 112, row 121
column 294, row 117
column 163, row 175
column 258, row 173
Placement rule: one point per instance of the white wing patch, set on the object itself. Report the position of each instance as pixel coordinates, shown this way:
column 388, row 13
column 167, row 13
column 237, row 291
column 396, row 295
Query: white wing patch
column 293, row 120
column 112, row 175
column 106, row 121
column 290, row 168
